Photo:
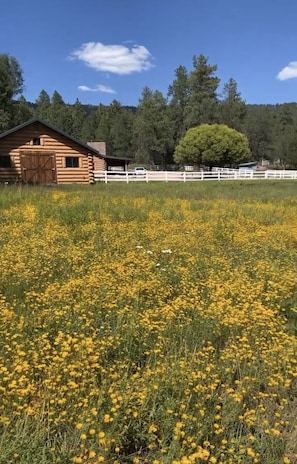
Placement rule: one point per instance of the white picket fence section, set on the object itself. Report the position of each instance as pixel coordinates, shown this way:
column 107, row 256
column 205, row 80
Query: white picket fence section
column 186, row 176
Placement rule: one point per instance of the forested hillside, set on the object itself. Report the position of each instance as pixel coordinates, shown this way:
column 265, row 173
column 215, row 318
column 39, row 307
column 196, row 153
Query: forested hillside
column 150, row 132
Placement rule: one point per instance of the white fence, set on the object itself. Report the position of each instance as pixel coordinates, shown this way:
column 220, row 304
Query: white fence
column 185, row 176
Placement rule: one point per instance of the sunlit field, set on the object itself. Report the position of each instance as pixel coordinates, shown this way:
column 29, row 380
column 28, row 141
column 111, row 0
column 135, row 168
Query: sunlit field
column 149, row 323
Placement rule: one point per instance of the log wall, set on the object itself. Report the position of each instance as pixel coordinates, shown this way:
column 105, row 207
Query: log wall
column 21, row 141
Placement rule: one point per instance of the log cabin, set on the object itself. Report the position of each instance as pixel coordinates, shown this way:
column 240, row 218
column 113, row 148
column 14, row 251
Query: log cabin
column 35, row 152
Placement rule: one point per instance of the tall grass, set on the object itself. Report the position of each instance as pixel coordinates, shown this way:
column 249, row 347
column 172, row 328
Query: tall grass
column 149, row 323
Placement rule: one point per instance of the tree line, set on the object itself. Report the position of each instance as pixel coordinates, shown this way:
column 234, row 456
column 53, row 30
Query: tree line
column 150, row 132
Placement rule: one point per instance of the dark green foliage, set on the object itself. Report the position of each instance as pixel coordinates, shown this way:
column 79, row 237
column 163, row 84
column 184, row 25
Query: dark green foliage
column 203, row 100
column 258, row 127
column 89, row 126
column 232, row 110
column 11, row 84
column 102, row 131
column 11, row 79
column 286, row 139
column 178, row 93
column 78, row 116
column 60, row 114
column 22, row 112
column 42, row 107
column 121, row 130
column 153, row 129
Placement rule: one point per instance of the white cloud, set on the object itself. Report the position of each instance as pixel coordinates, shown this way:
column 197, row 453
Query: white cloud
column 288, row 72
column 117, row 59
column 98, row 88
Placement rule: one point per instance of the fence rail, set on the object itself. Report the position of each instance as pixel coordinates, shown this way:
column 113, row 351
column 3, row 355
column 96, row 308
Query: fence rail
column 186, row 176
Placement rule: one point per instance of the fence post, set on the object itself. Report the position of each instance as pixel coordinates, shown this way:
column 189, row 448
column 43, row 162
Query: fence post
column 166, row 176
column 105, row 177
column 219, row 175
column 127, row 177
column 184, row 176
column 146, row 176
column 202, row 175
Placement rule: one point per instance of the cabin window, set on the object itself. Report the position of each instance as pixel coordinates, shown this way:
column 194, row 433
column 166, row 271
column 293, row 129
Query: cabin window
column 5, row 161
column 36, row 141
column 72, row 162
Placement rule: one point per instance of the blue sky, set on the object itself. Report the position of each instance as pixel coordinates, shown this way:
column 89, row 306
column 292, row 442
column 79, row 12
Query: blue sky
column 101, row 50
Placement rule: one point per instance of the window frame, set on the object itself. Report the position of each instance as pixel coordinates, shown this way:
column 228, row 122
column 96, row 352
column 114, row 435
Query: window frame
column 72, row 162
column 8, row 164
column 36, row 141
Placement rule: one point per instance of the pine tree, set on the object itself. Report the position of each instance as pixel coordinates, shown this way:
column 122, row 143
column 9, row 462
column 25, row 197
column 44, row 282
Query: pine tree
column 178, row 92
column 203, row 100
column 43, row 104
column 232, row 108
column 153, row 129
column 78, row 116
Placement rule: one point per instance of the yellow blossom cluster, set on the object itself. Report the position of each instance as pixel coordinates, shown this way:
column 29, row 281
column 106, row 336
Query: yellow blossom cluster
column 148, row 325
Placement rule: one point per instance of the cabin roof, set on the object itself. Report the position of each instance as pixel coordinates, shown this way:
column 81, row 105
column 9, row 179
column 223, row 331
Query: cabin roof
column 90, row 148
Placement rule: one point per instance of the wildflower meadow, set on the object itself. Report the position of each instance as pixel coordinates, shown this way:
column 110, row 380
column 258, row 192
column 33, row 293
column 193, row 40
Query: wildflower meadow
column 149, row 323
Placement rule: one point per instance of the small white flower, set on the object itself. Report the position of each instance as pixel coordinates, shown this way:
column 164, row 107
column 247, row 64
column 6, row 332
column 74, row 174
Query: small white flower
column 138, row 247
column 149, row 252
column 158, row 264
column 167, row 251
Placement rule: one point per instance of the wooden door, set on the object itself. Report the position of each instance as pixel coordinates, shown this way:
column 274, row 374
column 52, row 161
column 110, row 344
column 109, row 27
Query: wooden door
column 38, row 167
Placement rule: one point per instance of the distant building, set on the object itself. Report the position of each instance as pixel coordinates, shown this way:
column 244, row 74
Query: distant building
column 250, row 166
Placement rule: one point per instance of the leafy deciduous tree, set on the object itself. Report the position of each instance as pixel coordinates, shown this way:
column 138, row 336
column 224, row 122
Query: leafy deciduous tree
column 212, row 144
column 11, row 84
column 22, row 112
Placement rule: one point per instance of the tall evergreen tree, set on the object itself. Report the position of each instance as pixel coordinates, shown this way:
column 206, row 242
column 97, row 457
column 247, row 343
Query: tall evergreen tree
column 291, row 155
column 285, row 135
column 60, row 113
column 43, row 104
column 153, row 130
column 203, row 100
column 232, row 109
column 258, row 127
column 103, row 129
column 78, row 116
column 178, row 93
column 90, row 124
column 121, row 130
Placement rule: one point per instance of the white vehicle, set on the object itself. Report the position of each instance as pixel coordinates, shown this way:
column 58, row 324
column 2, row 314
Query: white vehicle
column 139, row 171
